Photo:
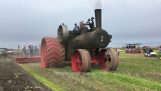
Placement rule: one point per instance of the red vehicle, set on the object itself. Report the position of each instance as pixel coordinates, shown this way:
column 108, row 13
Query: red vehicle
column 132, row 48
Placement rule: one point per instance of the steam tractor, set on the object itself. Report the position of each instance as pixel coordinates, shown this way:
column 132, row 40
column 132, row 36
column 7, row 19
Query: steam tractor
column 84, row 46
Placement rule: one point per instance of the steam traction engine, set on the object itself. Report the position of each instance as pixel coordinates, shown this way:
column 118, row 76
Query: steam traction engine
column 84, row 47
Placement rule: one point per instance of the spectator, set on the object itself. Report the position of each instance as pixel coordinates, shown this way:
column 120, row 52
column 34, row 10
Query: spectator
column 24, row 51
column 30, row 48
column 35, row 50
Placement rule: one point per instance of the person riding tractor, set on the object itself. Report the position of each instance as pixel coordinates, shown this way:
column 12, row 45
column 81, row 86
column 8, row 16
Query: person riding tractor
column 148, row 52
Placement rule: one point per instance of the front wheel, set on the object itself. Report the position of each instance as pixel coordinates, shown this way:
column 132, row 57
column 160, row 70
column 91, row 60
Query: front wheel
column 113, row 59
column 81, row 61
column 108, row 59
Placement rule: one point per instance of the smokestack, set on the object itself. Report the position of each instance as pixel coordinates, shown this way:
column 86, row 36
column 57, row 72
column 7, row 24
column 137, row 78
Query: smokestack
column 98, row 18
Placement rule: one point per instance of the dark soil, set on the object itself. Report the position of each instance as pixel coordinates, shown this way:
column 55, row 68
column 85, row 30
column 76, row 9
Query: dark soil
column 14, row 78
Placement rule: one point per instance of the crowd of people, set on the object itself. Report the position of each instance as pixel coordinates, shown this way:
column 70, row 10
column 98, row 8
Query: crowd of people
column 30, row 50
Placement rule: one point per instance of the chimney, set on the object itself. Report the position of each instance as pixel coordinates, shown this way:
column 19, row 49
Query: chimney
column 98, row 18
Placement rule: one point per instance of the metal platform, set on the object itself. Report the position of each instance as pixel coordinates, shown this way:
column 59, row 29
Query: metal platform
column 28, row 59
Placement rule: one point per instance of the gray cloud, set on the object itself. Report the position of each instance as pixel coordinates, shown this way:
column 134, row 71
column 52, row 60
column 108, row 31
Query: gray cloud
column 134, row 21
column 24, row 21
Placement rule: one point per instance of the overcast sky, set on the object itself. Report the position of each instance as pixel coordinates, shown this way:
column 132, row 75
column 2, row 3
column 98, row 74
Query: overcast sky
column 129, row 21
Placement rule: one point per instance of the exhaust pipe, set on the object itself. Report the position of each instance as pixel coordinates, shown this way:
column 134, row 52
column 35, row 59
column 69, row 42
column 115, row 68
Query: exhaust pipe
column 98, row 18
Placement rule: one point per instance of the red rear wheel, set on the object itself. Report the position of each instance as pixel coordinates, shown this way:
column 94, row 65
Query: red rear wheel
column 52, row 53
column 81, row 61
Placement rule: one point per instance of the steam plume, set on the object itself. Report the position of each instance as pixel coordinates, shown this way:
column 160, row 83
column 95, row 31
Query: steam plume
column 97, row 4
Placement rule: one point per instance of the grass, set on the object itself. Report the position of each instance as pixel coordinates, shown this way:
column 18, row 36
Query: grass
column 144, row 67
column 135, row 73
column 43, row 80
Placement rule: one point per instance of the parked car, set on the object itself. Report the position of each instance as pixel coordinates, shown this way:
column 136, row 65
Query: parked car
column 3, row 52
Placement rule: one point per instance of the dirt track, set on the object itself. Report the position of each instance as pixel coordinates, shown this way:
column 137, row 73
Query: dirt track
column 13, row 78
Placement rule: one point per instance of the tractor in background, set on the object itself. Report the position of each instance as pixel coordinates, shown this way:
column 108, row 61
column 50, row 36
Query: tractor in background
column 132, row 48
column 83, row 46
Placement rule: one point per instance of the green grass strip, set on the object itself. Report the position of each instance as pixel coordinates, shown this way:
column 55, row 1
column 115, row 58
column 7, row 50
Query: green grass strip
column 43, row 80
column 130, row 79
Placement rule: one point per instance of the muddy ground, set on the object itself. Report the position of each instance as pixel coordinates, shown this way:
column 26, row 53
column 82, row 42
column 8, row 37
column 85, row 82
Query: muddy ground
column 14, row 78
